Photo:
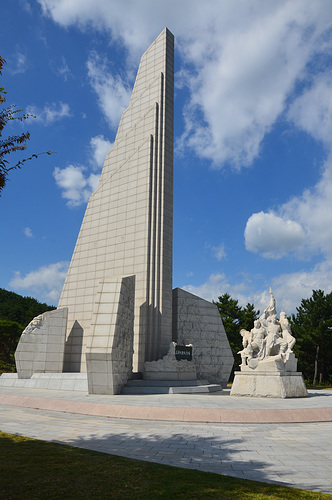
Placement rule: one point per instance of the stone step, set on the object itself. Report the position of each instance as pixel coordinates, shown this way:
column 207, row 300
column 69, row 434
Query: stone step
column 169, row 387
column 165, row 383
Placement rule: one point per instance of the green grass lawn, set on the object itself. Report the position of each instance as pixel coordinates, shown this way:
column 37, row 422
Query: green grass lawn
column 31, row 469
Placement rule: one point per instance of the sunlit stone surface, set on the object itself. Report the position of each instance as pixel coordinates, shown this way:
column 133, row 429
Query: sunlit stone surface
column 128, row 224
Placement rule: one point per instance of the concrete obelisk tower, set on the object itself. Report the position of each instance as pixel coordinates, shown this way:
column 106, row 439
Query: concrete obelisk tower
column 127, row 227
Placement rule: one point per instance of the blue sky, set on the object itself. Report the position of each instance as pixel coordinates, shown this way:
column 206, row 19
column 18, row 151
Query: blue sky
column 253, row 129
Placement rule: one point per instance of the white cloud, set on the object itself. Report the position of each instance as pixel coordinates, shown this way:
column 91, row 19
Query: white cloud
column 303, row 224
column 313, row 211
column 50, row 113
column 134, row 24
column 312, row 111
column 76, row 187
column 272, row 236
column 100, row 147
column 17, row 63
column 26, row 6
column 21, row 64
column 217, row 285
column 113, row 94
column 241, row 69
column 77, row 182
column 219, row 252
column 291, row 288
column 28, row 233
column 45, row 282
column 63, row 70
column 241, row 90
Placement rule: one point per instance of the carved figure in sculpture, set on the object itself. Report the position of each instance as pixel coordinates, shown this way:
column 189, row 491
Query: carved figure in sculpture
column 35, row 324
column 271, row 308
column 246, row 342
column 253, row 342
column 286, row 332
column 273, row 340
column 258, row 335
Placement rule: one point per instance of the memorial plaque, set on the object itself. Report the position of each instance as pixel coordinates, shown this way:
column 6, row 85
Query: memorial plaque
column 183, row 352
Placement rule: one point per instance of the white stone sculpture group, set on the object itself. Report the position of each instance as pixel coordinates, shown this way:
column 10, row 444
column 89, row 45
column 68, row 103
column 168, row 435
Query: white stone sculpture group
column 269, row 339
column 269, row 366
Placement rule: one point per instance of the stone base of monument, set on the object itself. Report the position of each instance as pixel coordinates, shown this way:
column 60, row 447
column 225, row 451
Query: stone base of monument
column 171, row 375
column 79, row 382
column 269, row 385
column 270, row 378
column 169, row 387
column 49, row 381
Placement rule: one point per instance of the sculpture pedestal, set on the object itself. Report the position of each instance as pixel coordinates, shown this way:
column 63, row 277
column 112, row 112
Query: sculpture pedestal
column 272, row 377
column 269, row 385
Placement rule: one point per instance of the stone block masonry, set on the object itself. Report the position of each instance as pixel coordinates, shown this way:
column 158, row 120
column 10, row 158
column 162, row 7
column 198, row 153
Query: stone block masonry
column 109, row 351
column 197, row 321
column 128, row 224
column 41, row 346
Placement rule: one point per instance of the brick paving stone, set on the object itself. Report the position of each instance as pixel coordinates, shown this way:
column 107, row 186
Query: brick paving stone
column 298, row 454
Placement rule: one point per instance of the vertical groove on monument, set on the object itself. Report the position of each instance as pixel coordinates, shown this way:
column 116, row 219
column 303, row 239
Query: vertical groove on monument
column 128, row 224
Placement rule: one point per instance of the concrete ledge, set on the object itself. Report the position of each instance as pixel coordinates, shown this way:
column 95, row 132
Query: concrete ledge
column 169, row 387
column 164, row 375
column 174, row 414
column 165, row 383
column 49, row 381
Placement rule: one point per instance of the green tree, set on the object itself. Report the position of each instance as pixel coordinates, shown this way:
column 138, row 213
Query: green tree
column 14, row 307
column 16, row 312
column 234, row 318
column 10, row 332
column 11, row 143
column 312, row 327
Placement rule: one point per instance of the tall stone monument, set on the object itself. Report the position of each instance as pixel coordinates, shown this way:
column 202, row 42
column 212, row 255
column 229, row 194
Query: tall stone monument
column 128, row 224
column 118, row 290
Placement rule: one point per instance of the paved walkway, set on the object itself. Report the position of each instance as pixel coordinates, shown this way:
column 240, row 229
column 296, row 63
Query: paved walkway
column 294, row 454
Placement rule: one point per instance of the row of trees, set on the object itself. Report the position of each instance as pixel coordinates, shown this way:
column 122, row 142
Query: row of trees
column 16, row 312
column 311, row 326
